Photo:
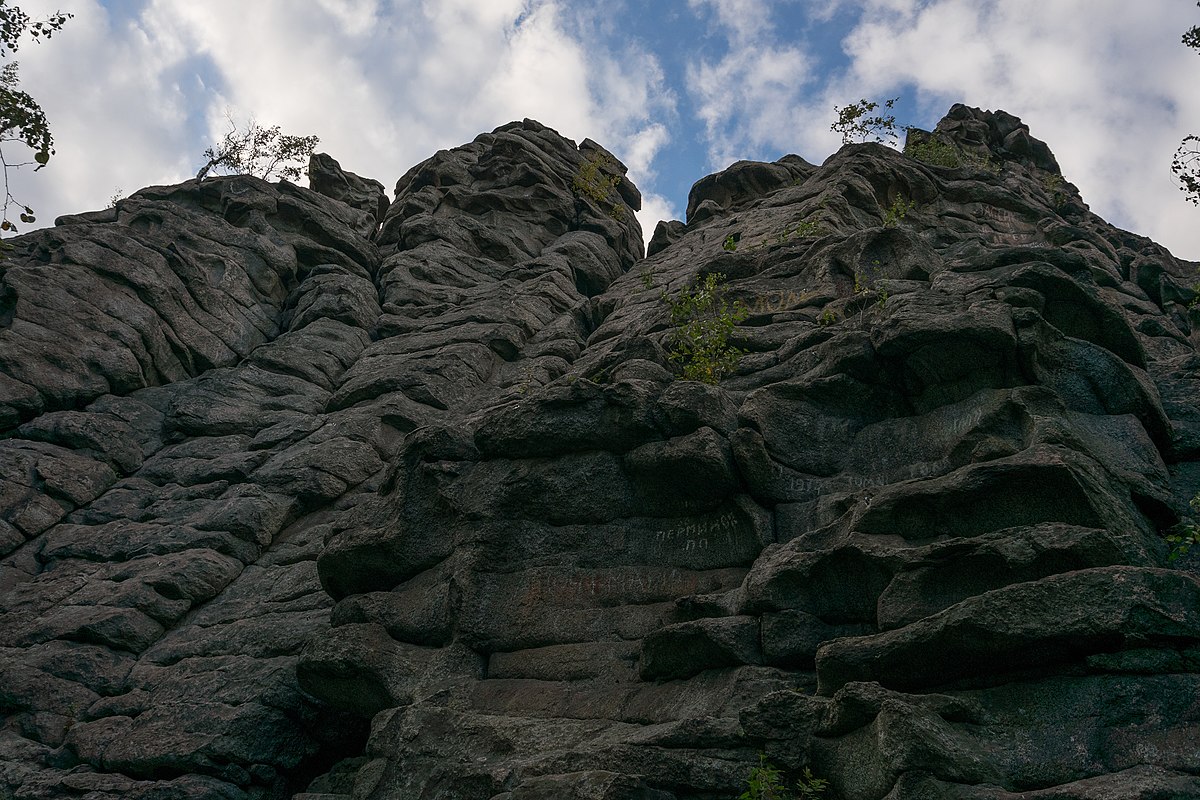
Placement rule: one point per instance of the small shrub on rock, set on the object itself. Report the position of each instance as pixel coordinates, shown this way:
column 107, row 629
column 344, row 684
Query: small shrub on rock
column 596, row 180
column 766, row 783
column 935, row 150
column 1055, row 186
column 897, row 211
column 1184, row 535
column 932, row 151
column 703, row 321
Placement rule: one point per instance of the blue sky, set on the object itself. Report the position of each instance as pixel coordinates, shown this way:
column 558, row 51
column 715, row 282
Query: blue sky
column 136, row 89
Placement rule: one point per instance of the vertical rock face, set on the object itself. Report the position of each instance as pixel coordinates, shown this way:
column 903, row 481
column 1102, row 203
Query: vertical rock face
column 305, row 494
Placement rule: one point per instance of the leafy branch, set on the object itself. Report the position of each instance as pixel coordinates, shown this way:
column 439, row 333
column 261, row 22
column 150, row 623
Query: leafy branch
column 258, row 151
column 1184, row 535
column 21, row 118
column 854, row 124
column 1186, row 162
column 1186, row 166
column 15, row 23
column 1191, row 37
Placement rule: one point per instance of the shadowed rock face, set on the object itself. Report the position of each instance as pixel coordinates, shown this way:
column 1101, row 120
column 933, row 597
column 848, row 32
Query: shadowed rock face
column 303, row 494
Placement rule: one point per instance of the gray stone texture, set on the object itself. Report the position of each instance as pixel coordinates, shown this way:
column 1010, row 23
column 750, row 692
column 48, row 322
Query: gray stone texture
column 305, row 494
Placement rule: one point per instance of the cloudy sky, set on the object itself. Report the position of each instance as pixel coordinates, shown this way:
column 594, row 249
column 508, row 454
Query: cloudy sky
column 136, row 89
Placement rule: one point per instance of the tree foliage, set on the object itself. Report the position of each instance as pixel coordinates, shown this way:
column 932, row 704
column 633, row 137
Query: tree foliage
column 22, row 120
column 1191, row 37
column 262, row 152
column 1186, row 166
column 1186, row 162
column 854, row 124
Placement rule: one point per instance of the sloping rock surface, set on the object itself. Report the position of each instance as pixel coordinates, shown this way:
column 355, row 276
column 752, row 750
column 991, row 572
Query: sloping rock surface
column 307, row 495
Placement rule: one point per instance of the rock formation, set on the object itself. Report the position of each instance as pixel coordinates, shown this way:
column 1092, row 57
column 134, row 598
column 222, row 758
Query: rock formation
column 305, row 494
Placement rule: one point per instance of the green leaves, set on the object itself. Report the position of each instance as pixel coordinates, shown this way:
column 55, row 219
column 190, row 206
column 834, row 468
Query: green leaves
column 1184, row 535
column 766, row 783
column 21, row 118
column 897, row 211
column 1186, row 162
column 1191, row 36
column 929, row 149
column 598, row 179
column 854, row 124
column 15, row 23
column 703, row 321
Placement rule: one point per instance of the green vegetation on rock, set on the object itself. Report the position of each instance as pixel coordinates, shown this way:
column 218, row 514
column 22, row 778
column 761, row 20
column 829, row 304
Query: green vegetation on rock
column 597, row 181
column 1055, row 186
column 703, row 321
column 894, row 213
column 766, row 783
column 931, row 150
column 1184, row 535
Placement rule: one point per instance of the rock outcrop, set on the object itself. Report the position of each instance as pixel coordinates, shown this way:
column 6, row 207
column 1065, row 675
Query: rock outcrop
column 305, row 494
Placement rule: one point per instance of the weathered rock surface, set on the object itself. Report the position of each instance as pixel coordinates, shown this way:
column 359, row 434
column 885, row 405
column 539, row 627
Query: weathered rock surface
column 302, row 495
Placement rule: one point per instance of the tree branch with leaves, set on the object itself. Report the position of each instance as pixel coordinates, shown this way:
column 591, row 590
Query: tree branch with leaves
column 262, row 152
column 22, row 120
column 1186, row 162
column 855, row 124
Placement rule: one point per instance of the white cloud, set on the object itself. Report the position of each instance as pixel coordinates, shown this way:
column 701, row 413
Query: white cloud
column 741, row 21
column 543, row 74
column 643, row 146
column 748, row 99
column 824, row 10
column 640, row 152
column 655, row 208
column 300, row 76
column 355, row 17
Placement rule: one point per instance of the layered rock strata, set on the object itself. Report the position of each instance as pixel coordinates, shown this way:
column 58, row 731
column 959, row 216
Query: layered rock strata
column 305, row 494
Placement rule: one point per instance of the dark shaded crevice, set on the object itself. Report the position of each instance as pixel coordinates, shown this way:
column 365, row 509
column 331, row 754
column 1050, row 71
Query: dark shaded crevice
column 337, row 736
column 1161, row 515
column 8, row 302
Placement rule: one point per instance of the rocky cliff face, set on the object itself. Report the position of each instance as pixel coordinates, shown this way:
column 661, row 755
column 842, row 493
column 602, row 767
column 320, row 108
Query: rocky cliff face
column 304, row 494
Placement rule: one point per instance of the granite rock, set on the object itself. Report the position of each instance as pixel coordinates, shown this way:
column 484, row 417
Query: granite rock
column 306, row 494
